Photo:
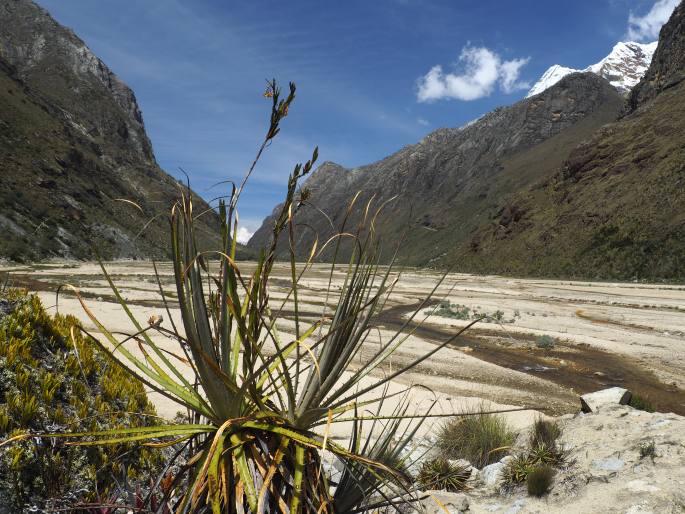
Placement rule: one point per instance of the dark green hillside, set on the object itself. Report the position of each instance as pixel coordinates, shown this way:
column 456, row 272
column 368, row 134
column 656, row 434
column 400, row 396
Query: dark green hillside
column 615, row 210
column 72, row 143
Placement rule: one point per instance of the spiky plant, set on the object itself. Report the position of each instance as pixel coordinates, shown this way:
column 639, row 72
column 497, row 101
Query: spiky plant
column 440, row 473
column 262, row 403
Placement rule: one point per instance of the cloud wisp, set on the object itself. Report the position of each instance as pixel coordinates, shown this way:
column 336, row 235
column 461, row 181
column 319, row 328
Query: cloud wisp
column 646, row 28
column 483, row 71
column 243, row 235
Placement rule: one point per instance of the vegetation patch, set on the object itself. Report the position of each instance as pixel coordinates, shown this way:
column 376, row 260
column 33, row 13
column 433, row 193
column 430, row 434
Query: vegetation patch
column 539, row 480
column 447, row 309
column 535, row 464
column 546, row 342
column 641, row 403
column 442, row 474
column 477, row 436
column 52, row 382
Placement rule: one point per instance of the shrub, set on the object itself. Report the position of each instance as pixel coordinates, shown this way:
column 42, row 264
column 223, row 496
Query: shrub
column 648, row 449
column 641, row 403
column 539, row 480
column 479, row 437
column 515, row 471
column 544, row 433
column 542, row 451
column 442, row 474
column 545, row 342
column 36, row 397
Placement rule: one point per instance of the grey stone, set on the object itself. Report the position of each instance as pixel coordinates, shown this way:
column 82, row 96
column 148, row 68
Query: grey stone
column 438, row 501
column 608, row 464
column 516, row 506
column 592, row 402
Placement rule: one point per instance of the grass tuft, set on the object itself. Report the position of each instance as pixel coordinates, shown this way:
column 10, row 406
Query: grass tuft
column 478, row 437
column 641, row 403
column 539, row 480
column 648, row 449
column 546, row 342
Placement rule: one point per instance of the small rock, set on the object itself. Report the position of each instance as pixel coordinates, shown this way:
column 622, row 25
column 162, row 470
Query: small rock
column 592, row 402
column 608, row 464
column 439, row 501
column 491, row 474
column 640, row 486
column 516, row 506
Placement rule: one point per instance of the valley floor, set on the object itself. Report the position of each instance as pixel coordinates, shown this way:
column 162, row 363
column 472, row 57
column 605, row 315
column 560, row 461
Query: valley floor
column 605, row 334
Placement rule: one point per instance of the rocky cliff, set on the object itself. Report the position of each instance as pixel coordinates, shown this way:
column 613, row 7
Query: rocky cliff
column 72, row 144
column 667, row 68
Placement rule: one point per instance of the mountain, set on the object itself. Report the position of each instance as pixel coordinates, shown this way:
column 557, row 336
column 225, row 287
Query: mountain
column 576, row 181
column 72, row 144
column 453, row 179
column 615, row 208
column 623, row 68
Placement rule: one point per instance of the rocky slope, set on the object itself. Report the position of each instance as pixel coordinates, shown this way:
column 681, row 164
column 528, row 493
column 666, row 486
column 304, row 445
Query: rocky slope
column 615, row 207
column 610, row 469
column 73, row 142
column 668, row 65
column 623, row 68
column 453, row 179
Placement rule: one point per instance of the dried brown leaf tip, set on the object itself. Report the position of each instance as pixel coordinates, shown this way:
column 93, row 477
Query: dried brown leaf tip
column 155, row 320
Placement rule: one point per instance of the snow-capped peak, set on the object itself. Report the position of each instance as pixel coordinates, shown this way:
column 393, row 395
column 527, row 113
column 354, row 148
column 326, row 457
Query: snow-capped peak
column 623, row 67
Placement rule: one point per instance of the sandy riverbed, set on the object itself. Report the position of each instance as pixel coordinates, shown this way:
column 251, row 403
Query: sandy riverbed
column 606, row 333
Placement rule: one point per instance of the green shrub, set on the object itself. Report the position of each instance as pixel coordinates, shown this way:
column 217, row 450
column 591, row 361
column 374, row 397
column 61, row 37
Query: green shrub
column 544, row 433
column 516, row 471
column 40, row 393
column 478, row 437
column 442, row 474
column 648, row 449
column 539, row 480
column 641, row 403
column 542, row 451
column 545, row 342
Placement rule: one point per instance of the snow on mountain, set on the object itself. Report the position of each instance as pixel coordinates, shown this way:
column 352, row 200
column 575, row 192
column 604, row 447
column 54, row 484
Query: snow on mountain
column 553, row 75
column 623, row 67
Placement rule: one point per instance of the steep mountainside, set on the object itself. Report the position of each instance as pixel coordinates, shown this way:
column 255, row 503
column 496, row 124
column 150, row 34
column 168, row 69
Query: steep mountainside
column 454, row 178
column 72, row 142
column 616, row 208
column 572, row 182
column 668, row 65
column 623, row 68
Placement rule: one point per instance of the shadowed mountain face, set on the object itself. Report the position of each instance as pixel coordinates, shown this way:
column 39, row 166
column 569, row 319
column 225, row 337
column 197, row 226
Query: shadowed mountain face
column 454, row 179
column 72, row 142
column 616, row 207
column 560, row 184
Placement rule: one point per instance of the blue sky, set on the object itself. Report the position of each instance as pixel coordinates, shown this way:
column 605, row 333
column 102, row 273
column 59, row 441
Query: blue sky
column 367, row 71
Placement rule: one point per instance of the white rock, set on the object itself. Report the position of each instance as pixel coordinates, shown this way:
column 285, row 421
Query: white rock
column 439, row 501
column 608, row 464
column 593, row 402
column 491, row 474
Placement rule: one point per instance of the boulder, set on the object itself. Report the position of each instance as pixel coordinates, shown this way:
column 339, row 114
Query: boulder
column 440, row 502
column 593, row 402
column 491, row 474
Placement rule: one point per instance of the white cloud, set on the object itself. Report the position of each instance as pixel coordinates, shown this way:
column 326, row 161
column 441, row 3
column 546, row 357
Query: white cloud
column 244, row 235
column 422, row 121
column 483, row 71
column 646, row 28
